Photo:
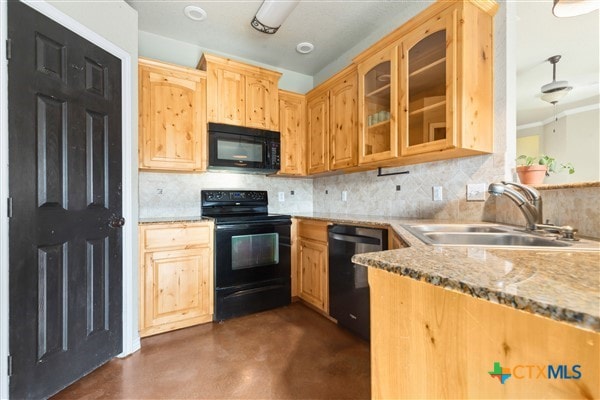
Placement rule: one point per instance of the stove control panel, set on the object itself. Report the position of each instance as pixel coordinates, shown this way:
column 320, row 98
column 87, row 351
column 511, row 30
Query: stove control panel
column 234, row 195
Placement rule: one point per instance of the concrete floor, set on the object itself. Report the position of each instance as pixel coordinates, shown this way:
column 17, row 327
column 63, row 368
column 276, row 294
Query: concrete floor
column 287, row 353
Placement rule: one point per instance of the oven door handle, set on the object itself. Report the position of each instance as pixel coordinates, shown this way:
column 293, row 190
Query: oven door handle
column 251, row 226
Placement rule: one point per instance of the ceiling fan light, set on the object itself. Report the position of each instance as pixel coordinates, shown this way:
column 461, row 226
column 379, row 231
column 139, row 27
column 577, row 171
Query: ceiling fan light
column 271, row 15
column 555, row 86
column 555, row 96
column 572, row 8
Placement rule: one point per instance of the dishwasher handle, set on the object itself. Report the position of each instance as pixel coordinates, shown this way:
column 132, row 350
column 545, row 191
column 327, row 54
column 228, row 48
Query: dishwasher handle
column 354, row 238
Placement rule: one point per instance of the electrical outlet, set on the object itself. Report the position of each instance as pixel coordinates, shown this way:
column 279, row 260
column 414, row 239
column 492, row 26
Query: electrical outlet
column 437, row 193
column 281, row 196
column 397, row 188
column 344, row 195
column 476, row 192
column 292, row 192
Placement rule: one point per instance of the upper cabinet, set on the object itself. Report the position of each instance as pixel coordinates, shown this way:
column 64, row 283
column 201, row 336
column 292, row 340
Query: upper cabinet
column 332, row 123
column 343, row 121
column 172, row 123
column 427, row 79
column 293, row 133
column 426, row 90
column 241, row 94
column 317, row 136
column 378, row 97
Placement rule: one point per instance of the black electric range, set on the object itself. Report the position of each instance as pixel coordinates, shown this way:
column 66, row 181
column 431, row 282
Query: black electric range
column 252, row 252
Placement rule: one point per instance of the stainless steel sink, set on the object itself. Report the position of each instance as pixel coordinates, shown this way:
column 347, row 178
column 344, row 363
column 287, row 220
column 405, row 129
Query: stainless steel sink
column 457, row 228
column 480, row 235
column 493, row 239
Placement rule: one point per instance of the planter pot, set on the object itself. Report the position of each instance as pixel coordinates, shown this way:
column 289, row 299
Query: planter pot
column 531, row 175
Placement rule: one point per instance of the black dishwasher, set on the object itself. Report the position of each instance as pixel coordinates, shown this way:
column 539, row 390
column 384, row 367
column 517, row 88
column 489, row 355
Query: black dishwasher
column 348, row 285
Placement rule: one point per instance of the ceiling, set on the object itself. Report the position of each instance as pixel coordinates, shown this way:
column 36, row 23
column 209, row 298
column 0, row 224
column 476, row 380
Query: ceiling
column 541, row 35
column 335, row 26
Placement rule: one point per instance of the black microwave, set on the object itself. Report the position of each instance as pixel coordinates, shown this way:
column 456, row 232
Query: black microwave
column 243, row 149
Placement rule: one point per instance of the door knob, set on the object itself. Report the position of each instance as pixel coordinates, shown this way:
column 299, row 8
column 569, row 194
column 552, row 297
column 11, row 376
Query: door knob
column 116, row 222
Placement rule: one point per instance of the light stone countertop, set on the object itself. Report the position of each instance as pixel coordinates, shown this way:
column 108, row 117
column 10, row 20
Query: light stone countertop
column 560, row 284
column 173, row 220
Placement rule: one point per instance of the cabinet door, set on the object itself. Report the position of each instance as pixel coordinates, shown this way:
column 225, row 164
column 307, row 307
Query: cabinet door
column 343, row 123
column 261, row 103
column 377, row 88
column 177, row 288
column 313, row 271
column 172, row 127
column 292, row 128
column 225, row 97
column 427, row 82
column 317, row 110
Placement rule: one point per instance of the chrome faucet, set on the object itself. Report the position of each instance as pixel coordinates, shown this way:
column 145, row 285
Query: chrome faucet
column 528, row 199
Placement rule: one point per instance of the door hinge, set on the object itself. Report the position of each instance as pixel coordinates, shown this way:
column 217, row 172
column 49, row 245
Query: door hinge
column 8, row 49
column 9, row 366
column 9, row 205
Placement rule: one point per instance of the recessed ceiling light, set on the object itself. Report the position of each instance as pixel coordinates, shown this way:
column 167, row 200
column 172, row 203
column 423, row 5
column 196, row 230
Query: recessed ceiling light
column 194, row 12
column 305, row 47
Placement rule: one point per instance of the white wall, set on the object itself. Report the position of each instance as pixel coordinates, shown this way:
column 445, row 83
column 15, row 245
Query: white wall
column 116, row 22
column 186, row 54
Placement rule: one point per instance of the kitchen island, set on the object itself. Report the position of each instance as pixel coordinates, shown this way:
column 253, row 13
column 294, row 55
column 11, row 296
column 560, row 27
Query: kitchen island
column 477, row 322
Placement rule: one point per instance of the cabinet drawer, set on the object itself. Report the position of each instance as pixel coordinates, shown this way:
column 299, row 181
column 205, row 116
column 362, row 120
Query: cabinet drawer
column 176, row 235
column 315, row 230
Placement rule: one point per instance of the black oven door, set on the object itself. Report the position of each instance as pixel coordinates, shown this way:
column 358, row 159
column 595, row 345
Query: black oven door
column 247, row 253
column 252, row 268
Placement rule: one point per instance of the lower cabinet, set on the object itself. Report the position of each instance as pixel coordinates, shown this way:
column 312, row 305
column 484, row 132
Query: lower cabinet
column 176, row 276
column 312, row 265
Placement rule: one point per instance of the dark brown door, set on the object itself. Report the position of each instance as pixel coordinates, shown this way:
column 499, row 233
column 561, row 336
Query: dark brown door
column 64, row 98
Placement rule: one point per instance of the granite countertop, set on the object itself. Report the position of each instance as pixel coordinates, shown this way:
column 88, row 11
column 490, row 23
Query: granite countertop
column 560, row 284
column 174, row 220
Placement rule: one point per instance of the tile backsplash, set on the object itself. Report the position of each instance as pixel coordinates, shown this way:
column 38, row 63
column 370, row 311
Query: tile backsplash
column 178, row 195
column 372, row 195
column 577, row 207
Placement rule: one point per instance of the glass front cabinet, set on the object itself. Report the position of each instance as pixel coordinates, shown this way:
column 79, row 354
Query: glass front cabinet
column 426, row 91
column 377, row 88
column 427, row 76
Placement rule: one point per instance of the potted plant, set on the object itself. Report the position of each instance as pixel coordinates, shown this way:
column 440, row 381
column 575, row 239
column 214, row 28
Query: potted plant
column 532, row 170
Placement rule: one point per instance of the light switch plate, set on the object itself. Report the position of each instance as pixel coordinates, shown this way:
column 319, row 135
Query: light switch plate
column 437, row 193
column 344, row 195
column 476, row 192
column 281, row 196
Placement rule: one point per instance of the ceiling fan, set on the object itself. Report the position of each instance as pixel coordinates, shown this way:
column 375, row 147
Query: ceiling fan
column 554, row 91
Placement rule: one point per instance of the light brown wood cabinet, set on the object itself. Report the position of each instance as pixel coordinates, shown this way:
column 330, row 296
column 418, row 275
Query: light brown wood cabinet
column 241, row 94
column 332, row 123
column 293, row 133
column 426, row 90
column 424, row 326
column 317, row 135
column 312, row 279
column 378, row 95
column 172, row 123
column 176, row 276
